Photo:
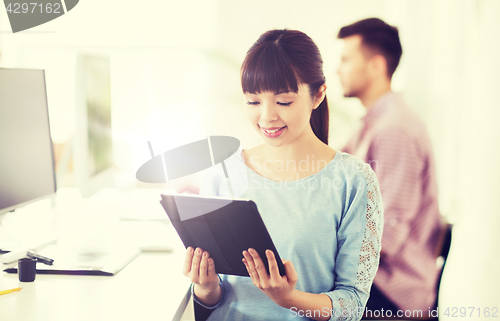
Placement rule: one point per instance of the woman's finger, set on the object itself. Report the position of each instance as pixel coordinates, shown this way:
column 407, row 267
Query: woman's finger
column 251, row 268
column 246, row 265
column 195, row 266
column 260, row 268
column 273, row 265
column 204, row 268
column 211, row 268
column 291, row 274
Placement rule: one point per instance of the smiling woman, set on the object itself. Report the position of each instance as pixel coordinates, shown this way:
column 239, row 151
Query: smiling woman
column 282, row 115
column 269, row 73
column 329, row 233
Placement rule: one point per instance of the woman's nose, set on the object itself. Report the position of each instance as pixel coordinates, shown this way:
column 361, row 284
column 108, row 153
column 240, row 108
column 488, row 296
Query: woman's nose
column 268, row 113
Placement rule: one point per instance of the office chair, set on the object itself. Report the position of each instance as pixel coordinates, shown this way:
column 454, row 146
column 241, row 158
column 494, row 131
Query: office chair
column 442, row 250
column 445, row 249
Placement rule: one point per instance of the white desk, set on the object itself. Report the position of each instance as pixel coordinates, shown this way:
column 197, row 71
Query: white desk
column 151, row 287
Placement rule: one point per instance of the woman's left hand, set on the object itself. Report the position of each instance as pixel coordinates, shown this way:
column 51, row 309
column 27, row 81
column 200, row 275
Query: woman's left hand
column 279, row 288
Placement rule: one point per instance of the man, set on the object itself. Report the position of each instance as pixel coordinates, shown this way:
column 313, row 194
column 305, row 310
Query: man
column 394, row 141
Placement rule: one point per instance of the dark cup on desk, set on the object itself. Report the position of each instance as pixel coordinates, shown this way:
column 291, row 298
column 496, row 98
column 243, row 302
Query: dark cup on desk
column 26, row 269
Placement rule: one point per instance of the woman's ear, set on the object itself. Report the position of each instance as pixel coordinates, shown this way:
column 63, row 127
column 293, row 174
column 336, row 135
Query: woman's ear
column 320, row 96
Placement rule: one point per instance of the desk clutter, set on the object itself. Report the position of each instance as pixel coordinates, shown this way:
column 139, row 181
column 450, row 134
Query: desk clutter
column 93, row 239
column 10, row 291
column 124, row 243
column 104, row 264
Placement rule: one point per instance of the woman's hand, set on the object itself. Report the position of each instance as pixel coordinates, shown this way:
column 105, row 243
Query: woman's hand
column 279, row 289
column 200, row 269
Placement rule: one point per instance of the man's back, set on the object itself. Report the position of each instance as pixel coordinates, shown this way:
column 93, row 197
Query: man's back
column 395, row 143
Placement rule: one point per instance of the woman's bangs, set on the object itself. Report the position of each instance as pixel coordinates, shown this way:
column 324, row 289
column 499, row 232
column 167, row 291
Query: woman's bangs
column 266, row 69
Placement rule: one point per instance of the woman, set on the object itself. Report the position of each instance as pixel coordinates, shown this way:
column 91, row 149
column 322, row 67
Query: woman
column 321, row 207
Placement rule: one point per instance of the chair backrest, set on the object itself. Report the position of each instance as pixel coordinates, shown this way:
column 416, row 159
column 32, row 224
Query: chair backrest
column 443, row 248
column 444, row 241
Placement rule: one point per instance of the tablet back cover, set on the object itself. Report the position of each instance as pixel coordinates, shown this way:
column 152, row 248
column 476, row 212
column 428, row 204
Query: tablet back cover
column 224, row 232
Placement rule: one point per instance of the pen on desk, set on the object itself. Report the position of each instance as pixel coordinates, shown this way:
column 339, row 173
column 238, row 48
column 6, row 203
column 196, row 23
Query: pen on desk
column 9, row 291
column 39, row 258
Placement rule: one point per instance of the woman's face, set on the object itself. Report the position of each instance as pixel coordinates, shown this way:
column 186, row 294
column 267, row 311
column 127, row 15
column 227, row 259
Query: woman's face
column 281, row 118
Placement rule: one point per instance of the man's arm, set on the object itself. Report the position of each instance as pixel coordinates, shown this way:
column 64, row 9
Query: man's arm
column 396, row 159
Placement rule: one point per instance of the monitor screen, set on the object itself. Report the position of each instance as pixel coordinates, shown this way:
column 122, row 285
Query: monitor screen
column 26, row 157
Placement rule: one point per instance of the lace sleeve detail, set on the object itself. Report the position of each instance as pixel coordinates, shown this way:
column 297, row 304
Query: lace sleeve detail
column 372, row 240
column 349, row 300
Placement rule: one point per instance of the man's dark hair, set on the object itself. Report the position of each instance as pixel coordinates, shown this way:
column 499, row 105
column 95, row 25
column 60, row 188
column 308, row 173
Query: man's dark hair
column 379, row 37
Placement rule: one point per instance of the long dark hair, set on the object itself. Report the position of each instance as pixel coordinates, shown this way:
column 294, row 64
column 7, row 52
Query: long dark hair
column 281, row 60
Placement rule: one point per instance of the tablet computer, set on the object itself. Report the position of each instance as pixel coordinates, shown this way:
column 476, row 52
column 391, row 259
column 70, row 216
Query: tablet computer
column 229, row 228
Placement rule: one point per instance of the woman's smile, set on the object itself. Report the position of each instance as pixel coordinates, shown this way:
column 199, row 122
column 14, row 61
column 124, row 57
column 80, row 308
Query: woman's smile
column 273, row 132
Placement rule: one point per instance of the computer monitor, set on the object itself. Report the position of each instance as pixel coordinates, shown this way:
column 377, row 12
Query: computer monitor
column 26, row 157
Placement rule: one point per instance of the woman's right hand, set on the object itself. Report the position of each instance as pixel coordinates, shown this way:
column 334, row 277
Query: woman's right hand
column 200, row 269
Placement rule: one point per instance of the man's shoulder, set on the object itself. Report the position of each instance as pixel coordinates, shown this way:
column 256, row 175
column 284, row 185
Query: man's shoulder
column 400, row 121
column 401, row 130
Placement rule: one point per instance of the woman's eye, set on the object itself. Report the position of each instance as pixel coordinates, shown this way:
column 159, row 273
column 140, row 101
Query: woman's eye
column 252, row 102
column 284, row 104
